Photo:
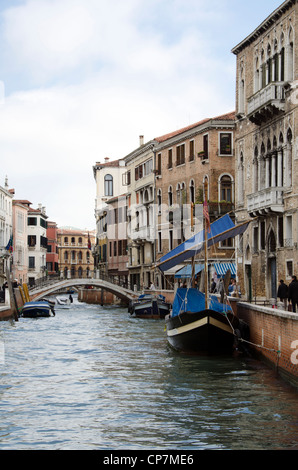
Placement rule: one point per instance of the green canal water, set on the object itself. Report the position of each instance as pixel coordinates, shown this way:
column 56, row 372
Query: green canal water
column 94, row 378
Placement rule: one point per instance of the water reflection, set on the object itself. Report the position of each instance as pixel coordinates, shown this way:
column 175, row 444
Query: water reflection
column 95, row 378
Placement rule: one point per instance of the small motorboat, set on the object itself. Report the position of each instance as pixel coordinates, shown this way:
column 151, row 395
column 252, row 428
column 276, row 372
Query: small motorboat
column 37, row 309
column 64, row 302
column 150, row 306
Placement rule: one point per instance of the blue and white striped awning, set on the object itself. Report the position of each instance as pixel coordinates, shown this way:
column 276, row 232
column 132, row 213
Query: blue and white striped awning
column 222, row 268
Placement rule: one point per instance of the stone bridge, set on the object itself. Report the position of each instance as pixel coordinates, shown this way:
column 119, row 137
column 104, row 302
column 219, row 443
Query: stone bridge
column 51, row 287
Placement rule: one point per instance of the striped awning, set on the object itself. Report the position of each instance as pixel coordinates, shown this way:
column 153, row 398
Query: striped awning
column 222, row 268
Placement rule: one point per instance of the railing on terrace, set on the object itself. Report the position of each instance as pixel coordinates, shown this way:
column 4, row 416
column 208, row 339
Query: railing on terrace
column 272, row 93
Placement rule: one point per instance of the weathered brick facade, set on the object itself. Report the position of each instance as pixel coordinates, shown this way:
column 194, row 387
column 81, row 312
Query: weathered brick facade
column 186, row 158
column 267, row 152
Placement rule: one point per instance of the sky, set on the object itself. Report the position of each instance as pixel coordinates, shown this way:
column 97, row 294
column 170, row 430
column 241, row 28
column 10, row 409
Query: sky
column 81, row 80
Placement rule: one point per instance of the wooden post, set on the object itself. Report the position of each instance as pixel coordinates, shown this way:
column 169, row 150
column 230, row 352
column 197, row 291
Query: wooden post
column 13, row 303
column 206, row 247
column 22, row 294
column 26, row 292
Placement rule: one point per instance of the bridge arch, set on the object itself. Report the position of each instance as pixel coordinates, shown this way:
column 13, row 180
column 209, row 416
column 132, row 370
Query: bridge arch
column 50, row 288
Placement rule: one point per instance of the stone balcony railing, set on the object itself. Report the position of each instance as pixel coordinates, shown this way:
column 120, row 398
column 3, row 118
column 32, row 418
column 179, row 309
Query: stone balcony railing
column 144, row 234
column 266, row 200
column 266, row 102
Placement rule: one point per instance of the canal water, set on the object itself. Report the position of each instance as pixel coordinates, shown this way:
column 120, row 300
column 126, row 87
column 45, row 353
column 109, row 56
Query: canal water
column 95, row 378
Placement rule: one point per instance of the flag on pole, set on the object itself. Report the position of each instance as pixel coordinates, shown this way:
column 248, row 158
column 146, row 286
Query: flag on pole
column 206, row 215
column 9, row 246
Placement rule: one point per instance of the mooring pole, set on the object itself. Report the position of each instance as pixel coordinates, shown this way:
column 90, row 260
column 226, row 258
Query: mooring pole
column 13, row 303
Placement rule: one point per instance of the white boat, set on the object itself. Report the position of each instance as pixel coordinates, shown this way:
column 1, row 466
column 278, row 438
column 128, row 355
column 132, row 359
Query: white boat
column 63, row 302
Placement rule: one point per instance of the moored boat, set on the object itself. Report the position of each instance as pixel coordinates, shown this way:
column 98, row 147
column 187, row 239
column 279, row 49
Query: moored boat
column 191, row 328
column 150, row 306
column 37, row 309
column 198, row 322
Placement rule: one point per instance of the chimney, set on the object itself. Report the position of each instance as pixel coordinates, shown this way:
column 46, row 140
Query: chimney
column 141, row 140
column 107, row 159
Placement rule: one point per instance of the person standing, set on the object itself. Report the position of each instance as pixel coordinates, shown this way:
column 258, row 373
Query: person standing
column 293, row 293
column 282, row 293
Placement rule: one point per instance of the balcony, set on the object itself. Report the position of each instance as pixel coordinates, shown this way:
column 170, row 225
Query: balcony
column 219, row 208
column 266, row 103
column 266, row 201
column 144, row 234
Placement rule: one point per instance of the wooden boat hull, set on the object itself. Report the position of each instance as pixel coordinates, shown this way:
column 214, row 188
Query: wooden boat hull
column 206, row 332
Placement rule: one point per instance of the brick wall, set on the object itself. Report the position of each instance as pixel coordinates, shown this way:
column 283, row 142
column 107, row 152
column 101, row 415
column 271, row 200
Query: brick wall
column 273, row 330
column 98, row 296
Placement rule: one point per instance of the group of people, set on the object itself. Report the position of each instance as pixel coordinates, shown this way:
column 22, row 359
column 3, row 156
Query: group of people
column 233, row 289
column 289, row 294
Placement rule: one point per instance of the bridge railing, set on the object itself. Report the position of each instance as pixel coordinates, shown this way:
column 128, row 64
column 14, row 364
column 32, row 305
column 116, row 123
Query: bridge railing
column 48, row 280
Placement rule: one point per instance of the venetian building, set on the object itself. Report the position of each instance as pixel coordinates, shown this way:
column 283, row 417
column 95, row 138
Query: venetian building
column 37, row 243
column 20, row 240
column 186, row 158
column 267, row 152
column 109, row 184
column 75, row 253
column 52, row 249
column 141, row 228
column 6, row 196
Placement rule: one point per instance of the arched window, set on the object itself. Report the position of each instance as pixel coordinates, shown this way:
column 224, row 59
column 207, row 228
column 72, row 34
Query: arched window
column 282, row 58
column 271, row 242
column 257, row 75
column 170, row 194
column 108, row 185
column 178, row 194
column 192, row 191
column 159, row 200
column 290, row 58
column 226, row 188
column 241, row 178
column 256, row 170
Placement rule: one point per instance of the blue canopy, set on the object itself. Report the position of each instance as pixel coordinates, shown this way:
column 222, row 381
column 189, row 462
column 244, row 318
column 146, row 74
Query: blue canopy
column 221, row 229
column 186, row 272
column 222, row 268
column 192, row 300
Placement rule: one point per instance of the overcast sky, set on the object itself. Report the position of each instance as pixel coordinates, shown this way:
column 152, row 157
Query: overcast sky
column 82, row 79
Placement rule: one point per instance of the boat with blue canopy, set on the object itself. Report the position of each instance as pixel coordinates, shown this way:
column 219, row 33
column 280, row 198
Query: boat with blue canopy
column 200, row 323
column 41, row 308
column 150, row 306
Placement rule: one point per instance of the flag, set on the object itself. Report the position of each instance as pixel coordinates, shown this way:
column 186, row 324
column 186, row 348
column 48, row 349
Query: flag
column 206, row 215
column 9, row 246
column 89, row 242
